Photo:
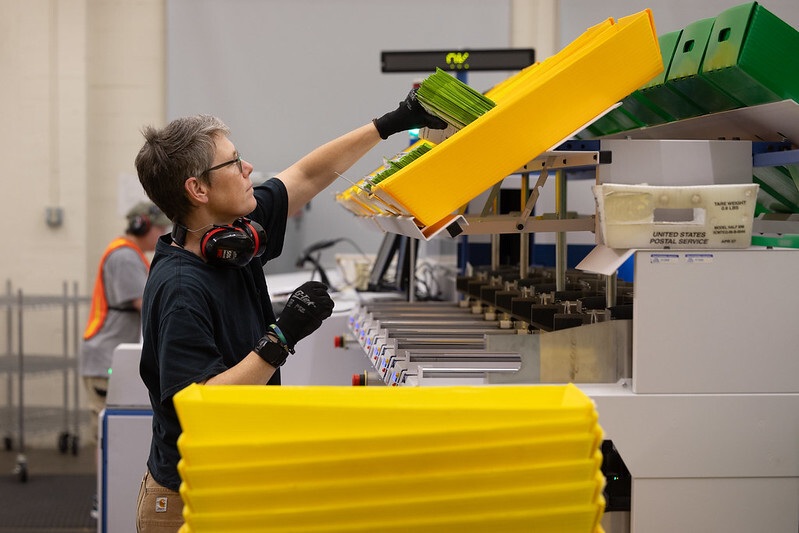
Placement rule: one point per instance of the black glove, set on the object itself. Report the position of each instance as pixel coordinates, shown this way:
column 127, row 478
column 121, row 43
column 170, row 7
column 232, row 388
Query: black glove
column 410, row 114
column 305, row 310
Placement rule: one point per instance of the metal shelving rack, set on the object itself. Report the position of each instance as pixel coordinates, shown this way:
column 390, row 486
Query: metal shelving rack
column 18, row 364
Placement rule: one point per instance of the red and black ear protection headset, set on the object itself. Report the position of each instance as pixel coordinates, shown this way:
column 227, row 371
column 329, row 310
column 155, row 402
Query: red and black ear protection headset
column 229, row 245
column 141, row 224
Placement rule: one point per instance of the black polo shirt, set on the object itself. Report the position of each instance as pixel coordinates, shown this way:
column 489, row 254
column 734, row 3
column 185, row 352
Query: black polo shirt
column 198, row 320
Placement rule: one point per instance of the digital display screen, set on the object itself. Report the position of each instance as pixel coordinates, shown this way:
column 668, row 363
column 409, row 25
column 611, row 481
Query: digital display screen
column 455, row 60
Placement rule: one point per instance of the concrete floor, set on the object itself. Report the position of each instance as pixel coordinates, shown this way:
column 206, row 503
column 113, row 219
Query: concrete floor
column 41, row 460
column 57, row 495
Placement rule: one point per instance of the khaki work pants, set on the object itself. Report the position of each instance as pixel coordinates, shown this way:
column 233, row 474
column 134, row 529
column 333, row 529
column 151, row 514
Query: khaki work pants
column 158, row 510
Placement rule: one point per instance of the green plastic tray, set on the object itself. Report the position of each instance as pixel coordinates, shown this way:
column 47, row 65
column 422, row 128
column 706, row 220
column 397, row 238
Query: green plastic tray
column 613, row 122
column 685, row 74
column 753, row 55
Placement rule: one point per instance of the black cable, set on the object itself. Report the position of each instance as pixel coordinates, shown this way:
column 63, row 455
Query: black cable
column 355, row 245
column 317, row 266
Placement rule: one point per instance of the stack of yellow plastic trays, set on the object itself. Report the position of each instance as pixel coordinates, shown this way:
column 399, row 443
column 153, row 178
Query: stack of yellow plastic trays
column 536, row 109
column 336, row 459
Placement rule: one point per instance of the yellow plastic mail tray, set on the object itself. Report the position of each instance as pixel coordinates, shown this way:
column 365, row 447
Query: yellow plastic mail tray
column 614, row 61
column 565, row 520
column 209, row 447
column 505, row 513
column 507, row 86
column 306, row 413
column 581, row 476
column 454, row 459
column 321, row 508
column 237, row 453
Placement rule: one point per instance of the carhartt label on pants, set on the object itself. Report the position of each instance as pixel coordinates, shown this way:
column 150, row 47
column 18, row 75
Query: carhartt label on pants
column 160, row 504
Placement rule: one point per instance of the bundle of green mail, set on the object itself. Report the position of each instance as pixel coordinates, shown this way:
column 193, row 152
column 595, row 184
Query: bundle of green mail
column 403, row 160
column 452, row 100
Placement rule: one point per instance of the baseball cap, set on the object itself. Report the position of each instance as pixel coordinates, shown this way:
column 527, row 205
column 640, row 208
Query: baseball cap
column 151, row 211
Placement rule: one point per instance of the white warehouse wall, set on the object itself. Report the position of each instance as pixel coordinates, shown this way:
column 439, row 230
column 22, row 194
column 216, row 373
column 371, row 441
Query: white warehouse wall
column 300, row 73
column 79, row 78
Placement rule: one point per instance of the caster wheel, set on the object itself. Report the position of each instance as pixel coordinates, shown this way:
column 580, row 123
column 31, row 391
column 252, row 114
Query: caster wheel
column 75, row 444
column 63, row 442
column 21, row 470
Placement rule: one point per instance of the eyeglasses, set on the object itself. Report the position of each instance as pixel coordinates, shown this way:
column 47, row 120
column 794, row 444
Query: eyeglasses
column 226, row 163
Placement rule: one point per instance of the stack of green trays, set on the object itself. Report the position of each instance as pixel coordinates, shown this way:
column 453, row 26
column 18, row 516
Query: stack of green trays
column 745, row 56
column 685, row 77
column 452, row 100
column 753, row 55
column 779, row 191
column 615, row 121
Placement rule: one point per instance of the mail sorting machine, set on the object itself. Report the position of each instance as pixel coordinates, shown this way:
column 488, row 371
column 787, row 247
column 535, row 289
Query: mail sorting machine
column 507, row 306
column 692, row 366
column 398, row 338
column 489, row 336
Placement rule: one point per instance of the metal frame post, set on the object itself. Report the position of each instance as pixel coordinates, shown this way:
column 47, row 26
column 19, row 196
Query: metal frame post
column 560, row 242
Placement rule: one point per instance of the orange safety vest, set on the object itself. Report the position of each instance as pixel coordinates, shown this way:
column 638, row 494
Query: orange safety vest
column 99, row 308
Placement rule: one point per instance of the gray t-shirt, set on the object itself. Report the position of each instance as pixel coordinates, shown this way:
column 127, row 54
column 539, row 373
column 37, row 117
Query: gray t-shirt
column 124, row 275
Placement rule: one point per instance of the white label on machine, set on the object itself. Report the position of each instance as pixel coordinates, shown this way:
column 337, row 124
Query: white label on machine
column 698, row 258
column 708, row 216
column 664, row 258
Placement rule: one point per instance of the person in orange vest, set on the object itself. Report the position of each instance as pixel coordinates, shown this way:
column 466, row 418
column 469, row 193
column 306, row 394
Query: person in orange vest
column 115, row 313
